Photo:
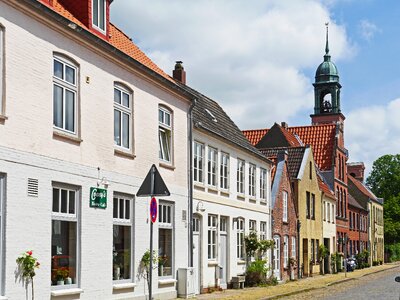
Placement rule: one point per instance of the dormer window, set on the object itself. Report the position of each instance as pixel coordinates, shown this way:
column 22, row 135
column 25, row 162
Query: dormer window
column 99, row 15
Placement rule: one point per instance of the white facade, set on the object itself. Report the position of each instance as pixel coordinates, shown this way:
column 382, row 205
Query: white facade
column 329, row 225
column 224, row 216
column 31, row 147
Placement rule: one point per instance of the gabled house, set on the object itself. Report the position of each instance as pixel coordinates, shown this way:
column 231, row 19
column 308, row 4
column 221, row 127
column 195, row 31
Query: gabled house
column 374, row 205
column 284, row 220
column 231, row 193
column 307, row 197
column 358, row 233
column 84, row 114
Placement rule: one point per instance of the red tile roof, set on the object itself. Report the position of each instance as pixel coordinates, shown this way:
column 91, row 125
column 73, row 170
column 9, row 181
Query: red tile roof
column 117, row 39
column 320, row 137
column 325, row 189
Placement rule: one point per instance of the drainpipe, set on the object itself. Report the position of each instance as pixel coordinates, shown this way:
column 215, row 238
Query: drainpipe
column 299, row 275
column 190, row 183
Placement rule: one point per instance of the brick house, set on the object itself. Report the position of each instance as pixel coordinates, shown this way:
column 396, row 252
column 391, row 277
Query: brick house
column 358, row 230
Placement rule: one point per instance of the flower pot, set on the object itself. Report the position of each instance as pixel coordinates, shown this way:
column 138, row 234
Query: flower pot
column 117, row 273
column 68, row 280
column 292, row 274
column 161, row 270
column 60, row 282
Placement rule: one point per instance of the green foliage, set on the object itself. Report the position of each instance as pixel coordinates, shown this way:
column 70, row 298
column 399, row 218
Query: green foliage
column 384, row 181
column 362, row 259
column 254, row 246
column 256, row 272
column 27, row 263
column 322, row 252
column 394, row 251
column 336, row 262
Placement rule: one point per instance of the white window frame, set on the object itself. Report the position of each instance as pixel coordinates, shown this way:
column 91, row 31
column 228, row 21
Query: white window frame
column 285, row 251
column 125, row 221
column 328, row 212
column 124, row 110
column 293, row 247
column 263, row 230
column 165, row 151
column 240, row 176
column 167, row 222
column 198, row 162
column 263, row 184
column 252, row 180
column 252, row 225
column 284, row 206
column 68, row 217
column 240, row 230
column 66, row 86
column 98, row 27
column 224, row 171
column 2, row 232
column 212, row 167
column 2, row 71
column 212, row 233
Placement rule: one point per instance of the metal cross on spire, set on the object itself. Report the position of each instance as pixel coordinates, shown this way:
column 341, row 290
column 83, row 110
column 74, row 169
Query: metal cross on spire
column 327, row 44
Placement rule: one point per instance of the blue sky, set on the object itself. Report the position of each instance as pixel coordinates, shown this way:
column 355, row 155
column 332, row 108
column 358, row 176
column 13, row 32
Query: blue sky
column 258, row 61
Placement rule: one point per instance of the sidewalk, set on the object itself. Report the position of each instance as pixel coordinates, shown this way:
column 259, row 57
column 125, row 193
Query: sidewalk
column 294, row 287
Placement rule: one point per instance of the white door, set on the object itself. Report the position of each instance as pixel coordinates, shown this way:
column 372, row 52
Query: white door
column 277, row 256
column 223, row 252
column 196, row 252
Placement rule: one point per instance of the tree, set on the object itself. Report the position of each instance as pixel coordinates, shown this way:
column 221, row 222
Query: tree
column 384, row 181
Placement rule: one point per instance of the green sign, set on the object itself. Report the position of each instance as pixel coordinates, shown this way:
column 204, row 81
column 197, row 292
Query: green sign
column 98, row 197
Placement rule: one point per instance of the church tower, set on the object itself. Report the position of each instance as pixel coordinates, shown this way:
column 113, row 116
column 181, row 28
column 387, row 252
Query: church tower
column 327, row 91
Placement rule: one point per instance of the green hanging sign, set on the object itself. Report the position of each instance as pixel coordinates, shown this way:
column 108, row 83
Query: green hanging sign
column 98, row 197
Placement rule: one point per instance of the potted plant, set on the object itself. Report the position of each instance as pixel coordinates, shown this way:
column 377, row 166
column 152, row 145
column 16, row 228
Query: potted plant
column 162, row 260
column 61, row 275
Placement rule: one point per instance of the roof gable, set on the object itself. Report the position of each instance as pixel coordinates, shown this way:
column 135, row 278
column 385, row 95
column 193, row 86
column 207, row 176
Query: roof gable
column 278, row 136
column 295, row 158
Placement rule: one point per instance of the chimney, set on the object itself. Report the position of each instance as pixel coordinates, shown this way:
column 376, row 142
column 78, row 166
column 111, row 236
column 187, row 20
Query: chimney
column 356, row 170
column 282, row 155
column 179, row 72
column 284, row 125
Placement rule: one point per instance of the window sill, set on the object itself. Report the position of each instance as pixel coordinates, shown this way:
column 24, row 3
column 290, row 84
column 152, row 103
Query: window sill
column 166, row 281
column 3, row 298
column 66, row 137
column 263, row 202
column 212, row 188
column 253, row 200
column 66, row 292
column 166, row 166
column 241, row 262
column 123, row 153
column 212, row 263
column 225, row 193
column 124, row 286
column 241, row 197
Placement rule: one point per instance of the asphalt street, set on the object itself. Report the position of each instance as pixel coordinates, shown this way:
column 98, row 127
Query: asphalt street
column 378, row 286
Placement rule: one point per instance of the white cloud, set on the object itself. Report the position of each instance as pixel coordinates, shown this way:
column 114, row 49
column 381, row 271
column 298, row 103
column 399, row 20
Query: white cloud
column 373, row 131
column 368, row 30
column 248, row 57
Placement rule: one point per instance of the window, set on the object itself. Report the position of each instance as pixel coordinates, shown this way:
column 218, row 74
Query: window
column 312, row 251
column 223, row 224
column 64, row 235
column 196, row 225
column 2, row 223
column 198, row 165
column 212, row 237
column 165, row 134
column 65, row 90
column 285, row 206
column 212, row 166
column 2, row 71
column 312, row 212
column 263, row 184
column 240, row 238
column 316, row 251
column 285, row 251
column 310, row 170
column 165, row 229
column 328, row 212
column 240, row 176
column 351, row 221
column 99, row 14
column 333, row 213
column 122, row 117
column 252, row 180
column 224, row 171
column 293, row 247
column 308, row 205
column 253, row 225
column 263, row 230
column 122, row 237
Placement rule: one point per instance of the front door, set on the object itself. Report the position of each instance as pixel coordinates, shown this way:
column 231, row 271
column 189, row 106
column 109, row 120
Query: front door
column 196, row 253
column 223, row 255
column 277, row 257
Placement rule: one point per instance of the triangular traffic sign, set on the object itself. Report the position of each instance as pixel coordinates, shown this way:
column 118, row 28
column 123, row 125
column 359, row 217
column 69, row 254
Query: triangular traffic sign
column 155, row 187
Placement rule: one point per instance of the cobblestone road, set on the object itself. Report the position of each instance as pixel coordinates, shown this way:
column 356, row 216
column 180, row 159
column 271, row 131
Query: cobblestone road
column 379, row 286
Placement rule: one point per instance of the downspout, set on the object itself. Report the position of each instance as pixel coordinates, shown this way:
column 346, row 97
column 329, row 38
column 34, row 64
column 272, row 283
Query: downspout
column 190, row 184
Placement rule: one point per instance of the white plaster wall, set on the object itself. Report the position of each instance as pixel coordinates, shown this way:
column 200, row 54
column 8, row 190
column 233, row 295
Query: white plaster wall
column 230, row 206
column 28, row 149
column 329, row 228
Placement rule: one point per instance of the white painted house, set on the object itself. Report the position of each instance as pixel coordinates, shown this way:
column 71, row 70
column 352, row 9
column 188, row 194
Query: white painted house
column 231, row 195
column 82, row 107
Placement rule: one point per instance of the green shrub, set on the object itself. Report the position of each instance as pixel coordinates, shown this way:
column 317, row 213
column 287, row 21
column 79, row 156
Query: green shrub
column 256, row 273
column 394, row 251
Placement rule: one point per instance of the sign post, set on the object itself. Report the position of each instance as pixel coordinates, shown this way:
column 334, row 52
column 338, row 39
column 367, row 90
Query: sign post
column 153, row 185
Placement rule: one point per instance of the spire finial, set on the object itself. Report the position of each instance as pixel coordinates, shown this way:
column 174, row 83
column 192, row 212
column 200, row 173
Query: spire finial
column 327, row 43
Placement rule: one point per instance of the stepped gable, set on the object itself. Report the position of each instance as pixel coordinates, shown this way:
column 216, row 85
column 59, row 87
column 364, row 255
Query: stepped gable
column 117, row 39
column 320, row 137
column 295, row 158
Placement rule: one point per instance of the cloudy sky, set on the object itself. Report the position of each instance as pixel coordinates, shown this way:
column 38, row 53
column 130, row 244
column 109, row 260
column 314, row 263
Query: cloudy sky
column 258, row 59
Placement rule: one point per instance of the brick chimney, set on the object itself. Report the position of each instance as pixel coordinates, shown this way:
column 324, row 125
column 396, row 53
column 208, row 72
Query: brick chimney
column 284, row 125
column 282, row 156
column 356, row 170
column 179, row 72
